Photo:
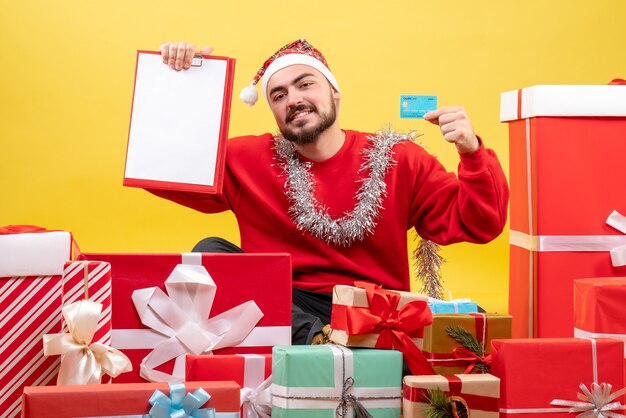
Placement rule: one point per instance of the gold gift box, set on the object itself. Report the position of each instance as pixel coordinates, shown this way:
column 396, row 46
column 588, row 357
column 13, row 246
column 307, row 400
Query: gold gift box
column 439, row 346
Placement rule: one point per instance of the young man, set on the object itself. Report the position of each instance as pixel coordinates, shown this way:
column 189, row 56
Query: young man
column 341, row 201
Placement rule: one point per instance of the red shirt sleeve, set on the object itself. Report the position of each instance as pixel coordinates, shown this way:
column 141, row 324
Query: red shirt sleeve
column 471, row 208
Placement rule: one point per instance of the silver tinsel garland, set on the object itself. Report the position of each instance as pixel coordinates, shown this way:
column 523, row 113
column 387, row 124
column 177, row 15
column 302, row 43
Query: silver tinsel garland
column 310, row 215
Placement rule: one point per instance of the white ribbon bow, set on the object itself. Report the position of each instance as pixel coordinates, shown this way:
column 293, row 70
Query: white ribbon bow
column 596, row 402
column 83, row 362
column 618, row 254
column 183, row 317
column 257, row 403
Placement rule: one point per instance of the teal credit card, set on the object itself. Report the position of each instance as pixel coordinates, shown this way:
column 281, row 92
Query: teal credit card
column 412, row 106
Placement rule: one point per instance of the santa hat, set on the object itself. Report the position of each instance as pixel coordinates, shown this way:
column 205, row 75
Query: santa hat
column 298, row 52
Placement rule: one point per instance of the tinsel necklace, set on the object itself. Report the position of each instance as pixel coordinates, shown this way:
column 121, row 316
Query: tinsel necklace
column 310, row 215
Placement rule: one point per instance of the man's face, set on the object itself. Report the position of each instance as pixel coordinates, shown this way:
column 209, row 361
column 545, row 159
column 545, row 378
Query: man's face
column 303, row 103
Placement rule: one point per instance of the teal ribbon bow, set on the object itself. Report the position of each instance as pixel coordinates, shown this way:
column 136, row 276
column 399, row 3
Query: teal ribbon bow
column 180, row 404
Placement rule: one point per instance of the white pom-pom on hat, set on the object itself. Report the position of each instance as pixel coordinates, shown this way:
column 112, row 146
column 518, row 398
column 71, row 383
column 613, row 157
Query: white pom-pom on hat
column 249, row 95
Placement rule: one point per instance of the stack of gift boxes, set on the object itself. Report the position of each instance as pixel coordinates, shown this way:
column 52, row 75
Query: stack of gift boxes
column 164, row 335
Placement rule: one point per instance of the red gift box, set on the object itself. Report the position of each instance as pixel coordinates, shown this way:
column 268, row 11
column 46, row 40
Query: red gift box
column 250, row 371
column 599, row 308
column 566, row 177
column 534, row 372
column 262, row 278
column 31, row 264
column 130, row 399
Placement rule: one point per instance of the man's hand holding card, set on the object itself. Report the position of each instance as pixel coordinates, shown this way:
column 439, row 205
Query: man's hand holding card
column 455, row 126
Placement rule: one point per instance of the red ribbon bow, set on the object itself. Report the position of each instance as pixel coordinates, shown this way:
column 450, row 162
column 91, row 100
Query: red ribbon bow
column 464, row 354
column 20, row 229
column 395, row 326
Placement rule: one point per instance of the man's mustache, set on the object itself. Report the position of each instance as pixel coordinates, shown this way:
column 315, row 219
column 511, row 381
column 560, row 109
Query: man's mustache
column 299, row 108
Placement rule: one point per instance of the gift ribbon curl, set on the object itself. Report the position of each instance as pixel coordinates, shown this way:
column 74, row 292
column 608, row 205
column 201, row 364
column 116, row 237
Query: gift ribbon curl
column 597, row 402
column 180, row 404
column 182, row 315
column 257, row 402
column 83, row 362
column 395, row 326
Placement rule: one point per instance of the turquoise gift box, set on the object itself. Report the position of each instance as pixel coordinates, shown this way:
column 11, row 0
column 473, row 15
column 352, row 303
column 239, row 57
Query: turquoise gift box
column 328, row 381
column 461, row 306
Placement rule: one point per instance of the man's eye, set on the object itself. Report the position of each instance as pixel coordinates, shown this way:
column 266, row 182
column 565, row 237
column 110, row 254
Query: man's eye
column 278, row 97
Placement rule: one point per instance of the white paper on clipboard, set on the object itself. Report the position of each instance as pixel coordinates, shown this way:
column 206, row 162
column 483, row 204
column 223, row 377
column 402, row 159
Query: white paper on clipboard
column 176, row 123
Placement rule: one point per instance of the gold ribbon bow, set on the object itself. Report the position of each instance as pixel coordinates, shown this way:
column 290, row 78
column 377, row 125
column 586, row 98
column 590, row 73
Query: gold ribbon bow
column 597, row 402
column 83, row 362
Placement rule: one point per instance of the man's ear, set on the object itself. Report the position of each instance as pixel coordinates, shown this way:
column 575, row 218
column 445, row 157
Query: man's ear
column 336, row 94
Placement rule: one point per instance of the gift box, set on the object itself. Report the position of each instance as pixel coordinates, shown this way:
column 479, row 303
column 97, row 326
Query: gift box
column 89, row 280
column 458, row 306
column 31, row 265
column 477, row 393
column 544, row 375
column 202, row 285
column 558, row 135
column 367, row 316
column 324, row 380
column 250, row 371
column 599, row 308
column 126, row 399
column 447, row 355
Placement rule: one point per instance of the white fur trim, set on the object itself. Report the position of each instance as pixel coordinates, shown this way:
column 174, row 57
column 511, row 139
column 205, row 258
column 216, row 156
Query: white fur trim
column 294, row 59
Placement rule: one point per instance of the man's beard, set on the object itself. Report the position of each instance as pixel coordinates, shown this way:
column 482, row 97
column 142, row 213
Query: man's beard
column 309, row 135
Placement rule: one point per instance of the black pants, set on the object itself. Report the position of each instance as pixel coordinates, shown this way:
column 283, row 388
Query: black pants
column 310, row 311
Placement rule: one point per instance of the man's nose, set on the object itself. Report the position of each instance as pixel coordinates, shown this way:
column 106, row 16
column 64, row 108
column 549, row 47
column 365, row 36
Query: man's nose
column 294, row 98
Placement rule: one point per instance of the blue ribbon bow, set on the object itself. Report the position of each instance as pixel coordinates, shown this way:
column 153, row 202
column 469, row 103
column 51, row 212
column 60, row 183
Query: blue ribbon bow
column 180, row 404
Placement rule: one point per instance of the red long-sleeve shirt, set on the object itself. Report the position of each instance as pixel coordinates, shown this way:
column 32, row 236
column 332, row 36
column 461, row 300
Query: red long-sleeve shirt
column 420, row 194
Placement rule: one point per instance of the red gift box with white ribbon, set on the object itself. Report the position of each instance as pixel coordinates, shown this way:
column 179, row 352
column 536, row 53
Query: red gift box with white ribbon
column 567, row 171
column 251, row 371
column 545, row 377
column 599, row 308
column 31, row 265
column 166, row 306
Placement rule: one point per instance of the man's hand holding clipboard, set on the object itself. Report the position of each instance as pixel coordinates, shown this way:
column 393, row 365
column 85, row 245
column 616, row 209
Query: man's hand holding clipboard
column 180, row 55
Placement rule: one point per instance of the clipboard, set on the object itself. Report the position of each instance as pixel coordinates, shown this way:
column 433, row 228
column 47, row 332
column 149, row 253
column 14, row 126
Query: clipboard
column 179, row 124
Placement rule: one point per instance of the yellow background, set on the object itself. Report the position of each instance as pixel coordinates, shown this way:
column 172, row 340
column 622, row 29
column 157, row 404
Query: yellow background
column 66, row 83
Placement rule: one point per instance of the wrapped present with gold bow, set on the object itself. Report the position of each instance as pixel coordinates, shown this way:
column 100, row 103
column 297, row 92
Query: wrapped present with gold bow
column 461, row 343
column 31, row 266
column 250, row 371
column 83, row 361
column 367, row 316
column 451, row 396
column 547, row 377
column 332, row 381
column 134, row 400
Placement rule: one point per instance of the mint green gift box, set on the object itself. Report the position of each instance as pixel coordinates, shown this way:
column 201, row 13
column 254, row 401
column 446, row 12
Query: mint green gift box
column 322, row 381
